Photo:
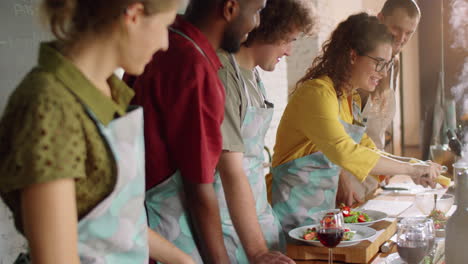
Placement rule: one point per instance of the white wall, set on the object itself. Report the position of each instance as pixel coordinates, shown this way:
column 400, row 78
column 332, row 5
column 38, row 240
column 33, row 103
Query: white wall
column 289, row 71
column 331, row 12
column 411, row 93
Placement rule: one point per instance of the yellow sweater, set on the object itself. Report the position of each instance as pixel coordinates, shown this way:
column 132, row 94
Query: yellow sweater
column 311, row 123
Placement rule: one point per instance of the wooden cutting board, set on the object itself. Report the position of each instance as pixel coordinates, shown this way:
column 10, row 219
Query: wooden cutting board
column 363, row 252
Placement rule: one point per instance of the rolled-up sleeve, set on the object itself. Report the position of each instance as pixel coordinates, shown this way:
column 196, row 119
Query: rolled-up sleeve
column 317, row 110
column 231, row 127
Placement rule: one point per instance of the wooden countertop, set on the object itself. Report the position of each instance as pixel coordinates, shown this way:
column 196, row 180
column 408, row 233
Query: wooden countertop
column 297, row 251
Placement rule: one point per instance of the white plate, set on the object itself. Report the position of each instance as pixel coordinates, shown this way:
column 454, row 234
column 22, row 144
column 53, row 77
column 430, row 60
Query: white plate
column 362, row 233
column 375, row 215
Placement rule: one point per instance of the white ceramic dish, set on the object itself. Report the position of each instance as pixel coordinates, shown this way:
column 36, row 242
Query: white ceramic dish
column 362, row 233
column 375, row 215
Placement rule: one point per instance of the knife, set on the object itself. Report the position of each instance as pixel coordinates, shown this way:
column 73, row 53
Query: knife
column 394, row 188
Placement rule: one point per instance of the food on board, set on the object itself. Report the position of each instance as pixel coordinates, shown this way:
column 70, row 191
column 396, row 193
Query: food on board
column 351, row 216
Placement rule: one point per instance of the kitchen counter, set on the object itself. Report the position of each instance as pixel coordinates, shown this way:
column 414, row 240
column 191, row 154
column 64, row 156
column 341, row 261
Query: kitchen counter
column 397, row 204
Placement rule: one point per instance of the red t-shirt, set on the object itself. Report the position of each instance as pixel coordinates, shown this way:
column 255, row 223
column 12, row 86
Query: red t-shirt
column 183, row 102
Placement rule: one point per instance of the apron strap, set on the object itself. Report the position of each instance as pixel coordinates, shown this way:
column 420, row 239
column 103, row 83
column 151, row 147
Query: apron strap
column 356, row 112
column 178, row 32
column 234, row 64
column 392, row 76
column 261, row 89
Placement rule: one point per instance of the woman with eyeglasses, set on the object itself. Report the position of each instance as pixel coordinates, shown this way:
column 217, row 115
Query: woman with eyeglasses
column 322, row 131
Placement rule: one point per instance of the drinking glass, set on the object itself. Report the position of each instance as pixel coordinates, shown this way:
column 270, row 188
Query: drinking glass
column 331, row 231
column 425, row 202
column 414, row 239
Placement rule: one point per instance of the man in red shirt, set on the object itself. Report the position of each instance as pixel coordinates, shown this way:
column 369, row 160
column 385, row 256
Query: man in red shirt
column 183, row 102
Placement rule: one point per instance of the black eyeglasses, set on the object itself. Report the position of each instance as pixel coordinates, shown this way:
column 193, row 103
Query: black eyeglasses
column 381, row 64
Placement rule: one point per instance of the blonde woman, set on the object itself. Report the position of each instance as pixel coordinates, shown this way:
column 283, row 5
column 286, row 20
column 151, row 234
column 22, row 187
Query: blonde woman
column 72, row 155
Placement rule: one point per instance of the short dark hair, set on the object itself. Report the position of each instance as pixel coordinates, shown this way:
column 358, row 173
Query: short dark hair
column 199, row 9
column 281, row 17
column 410, row 6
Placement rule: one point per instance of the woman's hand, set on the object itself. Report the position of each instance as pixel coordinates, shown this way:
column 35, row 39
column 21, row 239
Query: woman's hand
column 345, row 193
column 425, row 173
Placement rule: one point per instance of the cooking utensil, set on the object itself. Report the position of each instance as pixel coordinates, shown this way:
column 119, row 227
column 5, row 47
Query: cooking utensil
column 386, row 188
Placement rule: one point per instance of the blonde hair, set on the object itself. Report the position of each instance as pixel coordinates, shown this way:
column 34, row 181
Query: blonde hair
column 69, row 18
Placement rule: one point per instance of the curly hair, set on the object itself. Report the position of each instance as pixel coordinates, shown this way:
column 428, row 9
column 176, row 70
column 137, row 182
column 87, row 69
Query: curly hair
column 281, row 17
column 361, row 33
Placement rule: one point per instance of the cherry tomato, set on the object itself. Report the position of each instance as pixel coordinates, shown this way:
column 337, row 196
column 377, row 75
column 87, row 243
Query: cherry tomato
column 310, row 236
column 361, row 218
column 346, row 210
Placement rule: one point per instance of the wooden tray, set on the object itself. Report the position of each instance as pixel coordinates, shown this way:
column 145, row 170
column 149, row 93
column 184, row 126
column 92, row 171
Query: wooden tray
column 360, row 253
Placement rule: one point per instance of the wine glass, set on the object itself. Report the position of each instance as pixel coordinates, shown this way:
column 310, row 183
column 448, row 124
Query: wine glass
column 431, row 234
column 331, row 231
column 413, row 239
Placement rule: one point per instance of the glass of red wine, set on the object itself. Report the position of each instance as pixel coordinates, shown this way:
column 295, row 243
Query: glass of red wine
column 414, row 240
column 331, row 231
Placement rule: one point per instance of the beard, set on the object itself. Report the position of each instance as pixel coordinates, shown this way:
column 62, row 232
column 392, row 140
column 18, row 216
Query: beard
column 232, row 38
column 231, row 42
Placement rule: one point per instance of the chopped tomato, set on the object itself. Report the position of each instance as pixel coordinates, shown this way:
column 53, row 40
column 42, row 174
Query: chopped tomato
column 346, row 210
column 361, row 218
column 347, row 229
column 310, row 236
column 328, row 222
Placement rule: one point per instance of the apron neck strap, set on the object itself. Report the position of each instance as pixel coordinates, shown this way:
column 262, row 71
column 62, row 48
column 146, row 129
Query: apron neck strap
column 260, row 87
column 392, row 76
column 178, row 32
column 236, row 67
column 355, row 110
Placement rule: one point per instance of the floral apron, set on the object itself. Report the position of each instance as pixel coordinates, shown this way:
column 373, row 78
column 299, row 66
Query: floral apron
column 307, row 185
column 253, row 129
column 116, row 230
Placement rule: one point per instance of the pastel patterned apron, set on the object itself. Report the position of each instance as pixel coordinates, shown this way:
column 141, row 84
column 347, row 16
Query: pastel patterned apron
column 253, row 129
column 165, row 204
column 307, row 185
column 115, row 231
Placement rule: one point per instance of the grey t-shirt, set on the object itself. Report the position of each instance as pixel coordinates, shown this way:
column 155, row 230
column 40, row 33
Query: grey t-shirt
column 236, row 101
